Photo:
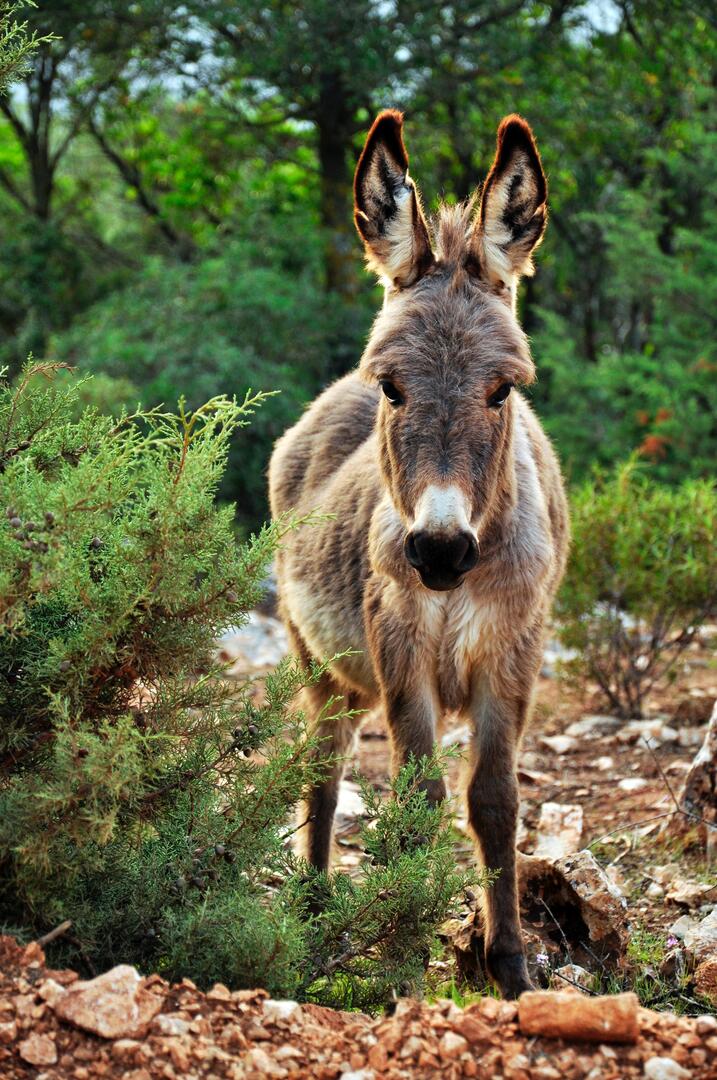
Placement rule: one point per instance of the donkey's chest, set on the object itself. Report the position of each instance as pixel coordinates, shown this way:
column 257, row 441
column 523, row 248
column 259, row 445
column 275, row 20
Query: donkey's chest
column 460, row 636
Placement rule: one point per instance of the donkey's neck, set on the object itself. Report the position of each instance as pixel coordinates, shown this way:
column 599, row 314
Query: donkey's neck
column 516, row 520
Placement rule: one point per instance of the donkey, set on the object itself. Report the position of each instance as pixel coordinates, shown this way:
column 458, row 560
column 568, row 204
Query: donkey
column 449, row 528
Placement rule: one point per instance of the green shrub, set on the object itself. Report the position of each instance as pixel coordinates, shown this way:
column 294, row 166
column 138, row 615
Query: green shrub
column 142, row 795
column 641, row 578
column 108, row 394
column 375, row 936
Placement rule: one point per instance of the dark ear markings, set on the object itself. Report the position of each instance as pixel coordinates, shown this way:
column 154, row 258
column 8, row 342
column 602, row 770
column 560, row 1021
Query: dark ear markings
column 513, row 210
column 472, row 265
column 515, row 134
column 387, row 209
column 514, row 140
column 384, row 148
column 423, row 252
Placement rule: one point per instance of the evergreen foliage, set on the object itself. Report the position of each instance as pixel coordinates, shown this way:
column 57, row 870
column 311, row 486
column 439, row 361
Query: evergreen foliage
column 642, row 577
column 375, row 937
column 17, row 41
column 142, row 795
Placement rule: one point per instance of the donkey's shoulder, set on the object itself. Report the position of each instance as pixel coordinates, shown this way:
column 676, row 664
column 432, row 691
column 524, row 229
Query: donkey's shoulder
column 333, row 427
column 540, row 481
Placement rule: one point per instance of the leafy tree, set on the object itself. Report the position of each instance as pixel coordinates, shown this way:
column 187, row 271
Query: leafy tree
column 623, row 315
column 334, row 65
column 81, row 50
column 209, row 326
column 90, row 46
column 472, row 64
column 318, row 63
column 205, row 130
column 178, row 162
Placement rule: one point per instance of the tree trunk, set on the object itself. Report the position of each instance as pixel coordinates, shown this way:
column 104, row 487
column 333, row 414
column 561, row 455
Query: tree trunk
column 335, row 126
column 40, row 97
column 697, row 799
column 43, row 181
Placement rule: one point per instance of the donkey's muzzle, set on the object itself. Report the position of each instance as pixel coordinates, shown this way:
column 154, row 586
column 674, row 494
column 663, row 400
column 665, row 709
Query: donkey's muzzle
column 441, row 560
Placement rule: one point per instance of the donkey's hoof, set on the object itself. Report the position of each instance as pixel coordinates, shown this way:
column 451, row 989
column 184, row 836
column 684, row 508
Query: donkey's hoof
column 510, row 972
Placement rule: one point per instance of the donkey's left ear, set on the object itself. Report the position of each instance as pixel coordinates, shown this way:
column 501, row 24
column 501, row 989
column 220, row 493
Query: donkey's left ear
column 513, row 211
column 387, row 207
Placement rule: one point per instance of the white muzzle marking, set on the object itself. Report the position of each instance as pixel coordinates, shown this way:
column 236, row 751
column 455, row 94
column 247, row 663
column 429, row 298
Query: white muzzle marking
column 443, row 510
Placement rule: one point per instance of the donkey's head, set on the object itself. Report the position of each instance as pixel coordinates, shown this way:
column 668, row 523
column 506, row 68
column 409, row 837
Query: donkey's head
column 447, row 348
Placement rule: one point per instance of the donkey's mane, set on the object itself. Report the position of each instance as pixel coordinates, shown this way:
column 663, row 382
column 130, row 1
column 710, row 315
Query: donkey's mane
column 452, row 227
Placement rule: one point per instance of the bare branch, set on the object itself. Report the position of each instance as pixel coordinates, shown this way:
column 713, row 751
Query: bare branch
column 54, row 934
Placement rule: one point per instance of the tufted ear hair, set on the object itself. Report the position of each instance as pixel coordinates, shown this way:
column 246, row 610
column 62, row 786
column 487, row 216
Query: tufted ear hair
column 387, row 206
column 513, row 211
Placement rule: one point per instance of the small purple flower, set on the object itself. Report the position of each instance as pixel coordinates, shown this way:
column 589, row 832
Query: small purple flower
column 672, row 941
column 543, row 959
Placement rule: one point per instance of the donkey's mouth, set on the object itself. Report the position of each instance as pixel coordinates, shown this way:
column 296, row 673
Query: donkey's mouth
column 439, row 582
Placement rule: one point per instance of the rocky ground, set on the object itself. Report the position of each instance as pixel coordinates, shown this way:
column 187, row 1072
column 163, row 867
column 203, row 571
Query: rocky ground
column 616, row 917
column 55, row 1027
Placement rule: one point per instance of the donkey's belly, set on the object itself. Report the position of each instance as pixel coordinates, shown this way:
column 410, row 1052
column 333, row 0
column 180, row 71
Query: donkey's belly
column 330, row 622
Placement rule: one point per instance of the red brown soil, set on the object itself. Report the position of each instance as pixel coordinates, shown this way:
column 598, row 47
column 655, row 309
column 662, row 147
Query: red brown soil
column 573, row 777
column 240, row 1036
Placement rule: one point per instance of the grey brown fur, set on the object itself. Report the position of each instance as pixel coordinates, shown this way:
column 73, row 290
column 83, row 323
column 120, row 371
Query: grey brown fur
column 421, row 488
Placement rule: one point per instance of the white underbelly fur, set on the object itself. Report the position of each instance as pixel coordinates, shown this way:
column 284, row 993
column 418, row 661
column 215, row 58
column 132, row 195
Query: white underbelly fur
column 329, row 631
column 450, row 626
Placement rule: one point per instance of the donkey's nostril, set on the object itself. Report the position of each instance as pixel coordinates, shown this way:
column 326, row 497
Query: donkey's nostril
column 411, row 551
column 470, row 555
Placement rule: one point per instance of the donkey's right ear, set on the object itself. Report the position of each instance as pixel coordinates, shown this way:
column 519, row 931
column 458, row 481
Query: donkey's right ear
column 387, row 207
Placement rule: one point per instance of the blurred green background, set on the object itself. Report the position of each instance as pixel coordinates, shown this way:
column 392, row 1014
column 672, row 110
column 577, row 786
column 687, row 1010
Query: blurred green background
column 175, row 201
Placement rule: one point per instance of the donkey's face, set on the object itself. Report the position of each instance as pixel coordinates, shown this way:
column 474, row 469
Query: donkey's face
column 447, row 349
column 446, row 357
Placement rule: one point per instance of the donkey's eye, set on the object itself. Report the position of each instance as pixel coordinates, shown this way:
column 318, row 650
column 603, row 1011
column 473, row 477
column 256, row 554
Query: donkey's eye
column 392, row 393
column 500, row 396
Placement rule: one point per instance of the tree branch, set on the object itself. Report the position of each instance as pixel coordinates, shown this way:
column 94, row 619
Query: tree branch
column 83, row 113
column 9, row 184
column 19, row 128
column 132, row 176
column 630, row 24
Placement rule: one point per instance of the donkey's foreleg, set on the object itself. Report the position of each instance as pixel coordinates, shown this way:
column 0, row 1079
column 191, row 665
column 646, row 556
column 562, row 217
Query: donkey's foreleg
column 408, row 694
column 334, row 735
column 411, row 716
column 498, row 720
